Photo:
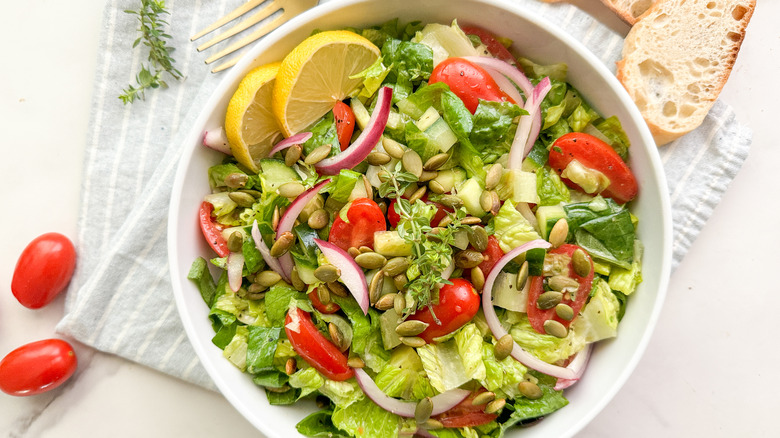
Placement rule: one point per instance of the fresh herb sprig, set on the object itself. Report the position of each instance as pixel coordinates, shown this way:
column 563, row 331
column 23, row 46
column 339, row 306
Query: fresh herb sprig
column 153, row 36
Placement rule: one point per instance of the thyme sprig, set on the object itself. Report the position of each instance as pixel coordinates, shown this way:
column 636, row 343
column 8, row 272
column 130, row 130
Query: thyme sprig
column 153, row 36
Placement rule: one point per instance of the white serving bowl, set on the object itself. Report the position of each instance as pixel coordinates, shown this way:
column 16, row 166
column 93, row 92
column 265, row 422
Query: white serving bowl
column 535, row 38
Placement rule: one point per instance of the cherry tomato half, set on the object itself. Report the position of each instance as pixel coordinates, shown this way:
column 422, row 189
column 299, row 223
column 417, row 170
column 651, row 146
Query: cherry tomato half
column 37, row 367
column 458, row 303
column 364, row 218
column 313, row 347
column 491, row 42
column 465, row 414
column 468, row 81
column 322, row 308
column 345, row 123
column 594, row 154
column 441, row 211
column 537, row 316
column 211, row 230
column 43, row 270
column 491, row 255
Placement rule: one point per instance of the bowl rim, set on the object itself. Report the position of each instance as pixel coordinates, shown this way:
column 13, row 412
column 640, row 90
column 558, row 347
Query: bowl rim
column 192, row 140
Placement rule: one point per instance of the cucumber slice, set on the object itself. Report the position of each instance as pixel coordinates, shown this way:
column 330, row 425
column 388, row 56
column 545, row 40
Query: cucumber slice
column 441, row 135
column 391, row 244
column 429, row 117
column 274, row 173
column 547, row 216
column 469, row 193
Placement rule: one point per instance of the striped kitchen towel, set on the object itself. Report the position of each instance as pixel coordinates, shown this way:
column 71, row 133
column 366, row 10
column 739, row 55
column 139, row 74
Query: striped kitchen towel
column 120, row 300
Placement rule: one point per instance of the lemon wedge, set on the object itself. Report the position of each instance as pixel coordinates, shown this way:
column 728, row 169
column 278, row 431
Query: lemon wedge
column 316, row 75
column 250, row 125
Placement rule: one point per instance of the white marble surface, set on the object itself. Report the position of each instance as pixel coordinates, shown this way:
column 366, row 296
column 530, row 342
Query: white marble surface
column 708, row 371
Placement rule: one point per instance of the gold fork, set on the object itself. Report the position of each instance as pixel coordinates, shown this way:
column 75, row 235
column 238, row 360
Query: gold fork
column 289, row 8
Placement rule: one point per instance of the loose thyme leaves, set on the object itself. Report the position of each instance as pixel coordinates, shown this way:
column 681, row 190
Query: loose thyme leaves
column 155, row 39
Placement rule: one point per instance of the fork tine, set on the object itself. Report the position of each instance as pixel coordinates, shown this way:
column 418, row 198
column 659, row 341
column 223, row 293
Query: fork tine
column 241, row 10
column 254, row 36
column 259, row 16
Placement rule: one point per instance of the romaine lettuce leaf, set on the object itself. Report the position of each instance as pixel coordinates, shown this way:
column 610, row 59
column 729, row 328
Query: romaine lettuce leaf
column 551, row 189
column 261, row 348
column 307, row 380
column 443, row 365
column 200, row 275
column 365, row 419
column 469, row 342
column 319, row 424
column 547, row 348
column 599, row 318
column 526, row 409
column 512, row 229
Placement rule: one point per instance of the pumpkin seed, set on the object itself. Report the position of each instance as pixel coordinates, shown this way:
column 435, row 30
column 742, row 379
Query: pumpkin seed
column 364, row 249
column 446, row 183
column 254, row 289
column 370, row 260
column 242, row 199
column 255, row 193
column 562, row 283
column 548, row 300
column 418, row 194
column 446, row 220
column 378, row 158
column 275, row 218
column 428, row 175
column 319, row 219
column 483, row 398
column 290, row 366
column 486, row 200
column 375, row 288
column 393, row 148
column 530, row 390
column 423, row 410
column 555, row 328
column 412, row 162
column 337, row 289
column 522, row 276
column 318, row 154
column 399, row 304
column 471, row 220
column 504, row 347
column 495, row 406
column 315, row 204
column 292, row 155
column 436, row 161
column 477, row 278
column 564, row 311
column 412, row 341
column 468, row 259
column 355, row 362
column 478, row 238
column 295, row 278
column 395, row 266
column 385, row 302
column 335, row 336
column 581, row 263
column 291, row 189
column 382, row 207
column 235, row 241
column 369, row 189
column 268, row 278
column 411, row 328
column 399, row 281
column 236, row 180
column 436, row 187
column 327, row 273
column 493, row 176
column 383, row 175
column 559, row 233
column 451, row 201
column 354, row 252
column 410, row 189
column 433, row 424
column 323, row 294
column 282, row 244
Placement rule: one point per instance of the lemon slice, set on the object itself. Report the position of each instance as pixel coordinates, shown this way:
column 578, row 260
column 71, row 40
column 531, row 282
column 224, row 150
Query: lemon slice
column 316, row 75
column 250, row 125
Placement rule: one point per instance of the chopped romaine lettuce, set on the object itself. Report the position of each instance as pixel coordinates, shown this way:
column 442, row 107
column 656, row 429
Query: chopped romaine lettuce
column 512, row 229
column 599, row 318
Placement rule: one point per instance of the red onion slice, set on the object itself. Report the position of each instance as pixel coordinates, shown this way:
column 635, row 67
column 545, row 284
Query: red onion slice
column 441, row 403
column 235, row 267
column 578, row 365
column 272, row 262
column 506, row 69
column 351, row 273
column 298, row 138
column 518, row 353
column 364, row 144
column 288, row 220
column 506, row 86
column 526, row 134
column 216, row 139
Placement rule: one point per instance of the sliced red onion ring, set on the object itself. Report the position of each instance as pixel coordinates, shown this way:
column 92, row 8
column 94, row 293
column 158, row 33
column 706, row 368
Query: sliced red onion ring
column 506, row 69
column 578, row 365
column 298, row 138
column 526, row 134
column 351, row 274
column 287, row 221
column 235, row 267
column 364, row 144
column 216, row 139
column 506, row 86
column 441, row 403
column 518, row 353
column 272, row 262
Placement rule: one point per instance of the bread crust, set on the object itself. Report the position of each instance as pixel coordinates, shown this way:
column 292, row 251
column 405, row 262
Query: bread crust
column 628, row 10
column 677, row 58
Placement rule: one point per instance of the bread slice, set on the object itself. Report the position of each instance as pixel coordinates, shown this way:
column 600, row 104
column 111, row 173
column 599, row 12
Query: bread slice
column 629, row 10
column 677, row 58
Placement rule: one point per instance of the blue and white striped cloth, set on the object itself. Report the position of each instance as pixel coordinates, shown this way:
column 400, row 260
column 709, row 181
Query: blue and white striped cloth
column 120, row 300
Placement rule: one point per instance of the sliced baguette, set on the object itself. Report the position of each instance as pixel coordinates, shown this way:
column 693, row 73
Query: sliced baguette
column 629, row 10
column 677, row 58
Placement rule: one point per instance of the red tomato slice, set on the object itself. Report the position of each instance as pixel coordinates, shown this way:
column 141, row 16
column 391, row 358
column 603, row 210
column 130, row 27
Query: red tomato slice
column 37, row 367
column 345, row 123
column 211, row 230
column 491, row 42
column 468, row 81
column 322, row 308
column 43, row 270
column 441, row 211
column 458, row 303
column 315, row 349
column 537, row 316
column 465, row 414
column 597, row 155
column 364, row 218
column 491, row 255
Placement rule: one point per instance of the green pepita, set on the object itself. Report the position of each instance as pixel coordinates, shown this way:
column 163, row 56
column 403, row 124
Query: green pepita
column 451, row 201
column 327, row 273
column 399, row 281
column 433, row 424
column 555, row 328
column 385, row 302
column 581, row 263
column 412, row 162
column 393, row 148
column 428, row 175
column 548, row 300
column 477, row 278
column 275, row 217
column 436, row 187
column 235, row 241
column 292, row 155
column 282, row 244
column 375, row 287
column 242, row 199
column 370, row 260
column 562, row 283
column 295, row 278
column 478, row 238
column 395, row 266
column 483, row 398
column 504, row 347
column 268, row 278
column 412, row 341
column 436, row 161
column 522, row 276
column 493, row 176
column 411, row 328
column 530, row 390
column 399, row 304
column 336, row 337
column 236, row 180
column 290, row 366
column 495, row 406
column 470, row 220
column 468, row 259
column 418, row 194
column 559, row 233
column 564, row 312
column 323, row 294
column 354, row 252
column 337, row 289
column 318, row 154
column 319, row 219
column 423, row 410
column 291, row 189
column 378, row 158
